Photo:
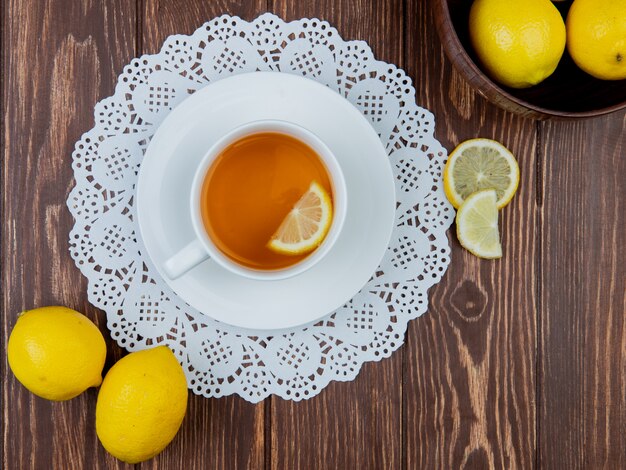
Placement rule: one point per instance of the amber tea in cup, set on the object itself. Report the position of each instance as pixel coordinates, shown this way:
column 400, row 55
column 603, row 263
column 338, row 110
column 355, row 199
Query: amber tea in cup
column 265, row 188
column 248, row 191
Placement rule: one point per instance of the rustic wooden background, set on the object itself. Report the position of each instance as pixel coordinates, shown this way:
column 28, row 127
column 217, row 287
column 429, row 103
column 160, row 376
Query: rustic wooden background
column 520, row 363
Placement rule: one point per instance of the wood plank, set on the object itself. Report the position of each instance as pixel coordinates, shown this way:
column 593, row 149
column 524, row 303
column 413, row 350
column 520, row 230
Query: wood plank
column 162, row 18
column 355, row 424
column 59, row 59
column 217, row 433
column 462, row 391
column 470, row 361
column 582, row 367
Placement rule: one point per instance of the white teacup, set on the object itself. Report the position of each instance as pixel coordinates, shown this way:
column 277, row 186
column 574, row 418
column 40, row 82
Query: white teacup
column 203, row 248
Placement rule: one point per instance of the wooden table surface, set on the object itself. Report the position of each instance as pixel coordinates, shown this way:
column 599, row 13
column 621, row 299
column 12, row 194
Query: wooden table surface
column 519, row 363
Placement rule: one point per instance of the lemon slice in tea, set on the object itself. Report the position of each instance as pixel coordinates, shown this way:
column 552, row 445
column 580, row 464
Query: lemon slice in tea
column 477, row 225
column 479, row 164
column 306, row 225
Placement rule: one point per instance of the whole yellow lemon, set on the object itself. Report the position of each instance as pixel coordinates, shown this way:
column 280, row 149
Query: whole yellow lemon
column 520, row 43
column 141, row 404
column 56, row 352
column 596, row 37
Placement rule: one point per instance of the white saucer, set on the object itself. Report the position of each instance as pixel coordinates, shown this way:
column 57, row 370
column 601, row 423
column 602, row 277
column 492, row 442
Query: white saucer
column 164, row 185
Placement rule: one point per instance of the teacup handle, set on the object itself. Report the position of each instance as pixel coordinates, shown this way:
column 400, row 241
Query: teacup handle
column 189, row 257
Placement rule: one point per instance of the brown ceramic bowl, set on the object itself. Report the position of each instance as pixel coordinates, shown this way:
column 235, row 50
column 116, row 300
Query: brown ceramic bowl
column 567, row 93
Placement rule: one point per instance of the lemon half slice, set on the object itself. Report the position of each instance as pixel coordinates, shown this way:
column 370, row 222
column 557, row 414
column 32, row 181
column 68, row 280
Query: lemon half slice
column 479, row 164
column 477, row 225
column 306, row 225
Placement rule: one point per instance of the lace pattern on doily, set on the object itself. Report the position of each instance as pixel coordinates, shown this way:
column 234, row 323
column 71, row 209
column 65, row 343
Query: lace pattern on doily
column 141, row 309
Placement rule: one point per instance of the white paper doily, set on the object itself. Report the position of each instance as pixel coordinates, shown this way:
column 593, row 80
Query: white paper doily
column 141, row 309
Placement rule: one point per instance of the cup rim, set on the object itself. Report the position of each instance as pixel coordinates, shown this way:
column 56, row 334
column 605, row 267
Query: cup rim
column 338, row 186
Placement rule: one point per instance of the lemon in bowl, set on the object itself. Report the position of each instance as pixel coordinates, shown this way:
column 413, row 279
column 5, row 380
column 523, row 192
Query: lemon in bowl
column 56, row 352
column 519, row 44
column 569, row 93
column 596, row 37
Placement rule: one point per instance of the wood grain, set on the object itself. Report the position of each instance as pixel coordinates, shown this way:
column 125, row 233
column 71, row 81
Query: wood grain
column 520, row 363
column 582, row 355
column 162, row 18
column 354, row 425
column 470, row 362
column 59, row 59
column 229, row 432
